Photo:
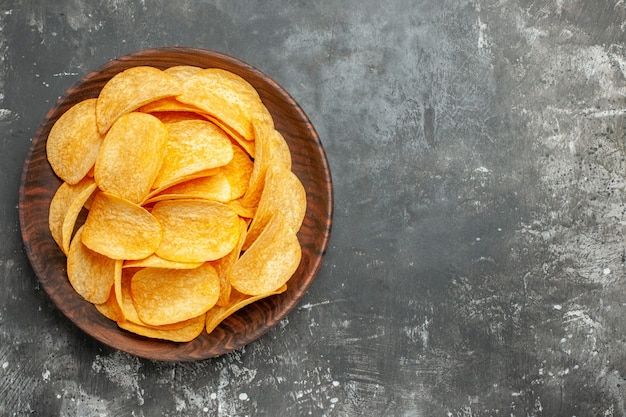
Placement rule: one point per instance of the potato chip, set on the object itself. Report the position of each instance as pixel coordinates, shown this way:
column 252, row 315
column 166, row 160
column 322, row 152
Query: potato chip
column 120, row 229
column 271, row 149
column 66, row 195
column 90, row 273
column 187, row 331
column 247, row 145
column 131, row 156
column 213, row 187
column 182, row 72
column 193, row 146
column 111, row 308
column 283, row 193
column 224, row 264
column 218, row 314
column 238, row 172
column 131, row 89
column 269, row 262
column 155, row 261
column 165, row 296
column 196, row 230
column 73, row 211
column 227, row 97
column 170, row 104
column 74, row 142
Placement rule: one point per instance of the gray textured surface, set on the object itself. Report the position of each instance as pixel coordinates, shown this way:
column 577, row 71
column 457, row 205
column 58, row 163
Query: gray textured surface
column 476, row 266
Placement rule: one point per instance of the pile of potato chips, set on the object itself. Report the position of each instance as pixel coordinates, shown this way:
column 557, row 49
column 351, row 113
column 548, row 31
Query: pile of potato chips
column 192, row 207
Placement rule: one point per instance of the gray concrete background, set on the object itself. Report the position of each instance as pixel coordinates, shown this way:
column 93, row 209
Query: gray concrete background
column 476, row 266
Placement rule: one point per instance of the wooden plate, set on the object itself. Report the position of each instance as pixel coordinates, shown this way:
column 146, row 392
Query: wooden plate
column 309, row 163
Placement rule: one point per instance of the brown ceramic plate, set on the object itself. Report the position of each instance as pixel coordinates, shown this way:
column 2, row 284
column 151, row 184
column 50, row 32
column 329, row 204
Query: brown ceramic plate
column 309, row 163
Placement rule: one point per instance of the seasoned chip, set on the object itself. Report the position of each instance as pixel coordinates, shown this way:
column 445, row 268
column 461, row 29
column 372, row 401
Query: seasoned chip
column 165, row 296
column 111, row 308
column 170, row 104
column 63, row 209
column 131, row 156
column 193, row 146
column 218, row 314
column 182, row 72
column 271, row 150
column 74, row 142
column 269, row 262
column 196, row 230
column 238, row 172
column 120, row 229
column 212, row 187
column 185, row 332
column 283, row 193
column 130, row 90
column 155, row 261
column 227, row 97
column 224, row 264
column 90, row 273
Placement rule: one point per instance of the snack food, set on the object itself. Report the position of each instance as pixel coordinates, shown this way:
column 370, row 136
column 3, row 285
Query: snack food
column 167, row 220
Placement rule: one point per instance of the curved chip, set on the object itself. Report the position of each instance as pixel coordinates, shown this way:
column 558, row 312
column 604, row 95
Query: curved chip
column 227, row 97
column 74, row 142
column 196, row 230
column 193, row 146
column 182, row 72
column 65, row 207
column 131, row 156
column 218, row 314
column 212, row 187
column 187, row 331
column 238, row 172
column 165, row 296
column 271, row 150
column 120, row 229
column 90, row 273
column 131, row 89
column 155, row 261
column 283, row 193
column 269, row 262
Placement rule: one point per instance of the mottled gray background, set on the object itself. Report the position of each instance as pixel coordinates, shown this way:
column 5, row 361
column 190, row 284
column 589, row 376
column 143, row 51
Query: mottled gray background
column 476, row 266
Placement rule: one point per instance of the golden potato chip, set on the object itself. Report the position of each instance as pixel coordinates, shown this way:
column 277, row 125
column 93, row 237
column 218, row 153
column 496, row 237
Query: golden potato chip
column 283, row 193
column 271, row 149
column 187, row 331
column 165, row 296
column 62, row 207
column 170, row 104
column 213, row 187
column 73, row 211
column 196, row 230
column 155, row 261
column 225, row 263
column 120, row 229
column 182, row 72
column 193, row 146
column 238, row 172
column 131, row 89
column 269, row 262
column 218, row 314
column 90, row 273
column 247, row 145
column 74, row 142
column 131, row 156
column 227, row 97
column 242, row 210
column 111, row 308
